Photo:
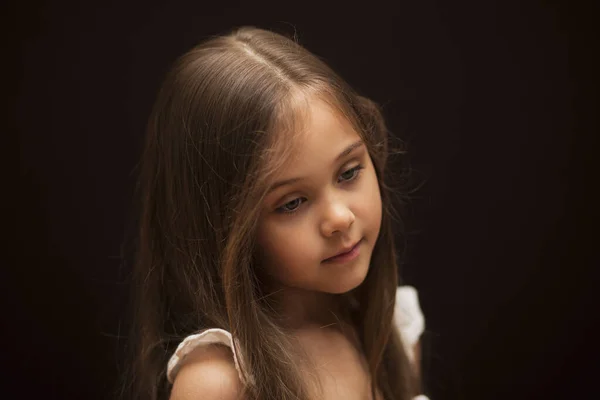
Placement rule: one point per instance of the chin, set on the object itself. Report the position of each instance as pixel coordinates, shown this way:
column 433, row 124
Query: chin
column 348, row 284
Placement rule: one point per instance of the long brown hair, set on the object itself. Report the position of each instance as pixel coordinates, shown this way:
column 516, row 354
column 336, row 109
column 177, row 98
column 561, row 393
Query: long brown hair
column 213, row 140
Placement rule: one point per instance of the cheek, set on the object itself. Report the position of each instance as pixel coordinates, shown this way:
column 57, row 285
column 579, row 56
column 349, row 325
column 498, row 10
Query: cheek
column 369, row 205
column 283, row 248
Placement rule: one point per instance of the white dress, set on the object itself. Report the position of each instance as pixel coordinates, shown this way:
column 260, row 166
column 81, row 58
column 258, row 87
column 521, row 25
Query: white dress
column 407, row 317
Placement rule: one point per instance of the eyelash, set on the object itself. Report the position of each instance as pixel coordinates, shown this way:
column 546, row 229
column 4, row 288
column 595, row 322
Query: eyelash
column 355, row 174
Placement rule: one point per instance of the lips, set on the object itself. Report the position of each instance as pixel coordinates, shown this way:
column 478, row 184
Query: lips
column 344, row 252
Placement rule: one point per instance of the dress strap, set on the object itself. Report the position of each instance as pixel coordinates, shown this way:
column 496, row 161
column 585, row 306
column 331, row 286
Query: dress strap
column 204, row 338
column 408, row 318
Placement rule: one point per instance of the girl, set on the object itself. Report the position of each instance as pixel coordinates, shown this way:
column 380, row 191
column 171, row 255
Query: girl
column 265, row 266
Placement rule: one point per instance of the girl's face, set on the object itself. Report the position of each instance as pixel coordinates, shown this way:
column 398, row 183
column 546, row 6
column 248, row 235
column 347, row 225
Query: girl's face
column 325, row 201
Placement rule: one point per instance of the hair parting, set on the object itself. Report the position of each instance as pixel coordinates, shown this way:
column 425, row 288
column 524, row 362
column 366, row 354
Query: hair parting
column 220, row 127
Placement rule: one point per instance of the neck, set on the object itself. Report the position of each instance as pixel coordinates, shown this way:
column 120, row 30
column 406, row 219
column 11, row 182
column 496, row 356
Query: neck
column 304, row 309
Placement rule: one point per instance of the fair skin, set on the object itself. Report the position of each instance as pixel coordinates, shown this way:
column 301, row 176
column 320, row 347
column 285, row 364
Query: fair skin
column 325, row 200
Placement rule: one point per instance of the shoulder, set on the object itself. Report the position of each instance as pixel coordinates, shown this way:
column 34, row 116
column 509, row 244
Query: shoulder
column 207, row 373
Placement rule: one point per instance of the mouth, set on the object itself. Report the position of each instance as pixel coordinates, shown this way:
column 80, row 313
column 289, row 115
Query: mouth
column 346, row 254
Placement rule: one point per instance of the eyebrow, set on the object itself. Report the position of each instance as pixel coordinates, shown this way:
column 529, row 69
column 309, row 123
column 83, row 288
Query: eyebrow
column 344, row 153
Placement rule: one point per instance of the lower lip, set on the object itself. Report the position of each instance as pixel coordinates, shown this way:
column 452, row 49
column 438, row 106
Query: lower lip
column 345, row 257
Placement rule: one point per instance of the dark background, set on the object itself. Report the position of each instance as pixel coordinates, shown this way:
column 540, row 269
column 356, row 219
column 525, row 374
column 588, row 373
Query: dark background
column 496, row 101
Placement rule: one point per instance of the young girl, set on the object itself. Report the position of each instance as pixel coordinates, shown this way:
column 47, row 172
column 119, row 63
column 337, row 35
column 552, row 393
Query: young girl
column 265, row 266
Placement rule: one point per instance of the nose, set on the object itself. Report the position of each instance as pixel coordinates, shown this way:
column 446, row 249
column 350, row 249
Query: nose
column 338, row 218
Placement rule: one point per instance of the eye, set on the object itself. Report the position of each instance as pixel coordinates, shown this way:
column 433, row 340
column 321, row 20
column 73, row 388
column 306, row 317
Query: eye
column 291, row 206
column 350, row 174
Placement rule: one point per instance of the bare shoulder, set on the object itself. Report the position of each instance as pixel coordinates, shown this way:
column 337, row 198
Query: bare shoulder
column 207, row 373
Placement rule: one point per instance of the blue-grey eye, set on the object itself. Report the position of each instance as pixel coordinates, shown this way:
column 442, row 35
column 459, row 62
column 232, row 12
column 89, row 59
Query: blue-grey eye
column 350, row 174
column 292, row 206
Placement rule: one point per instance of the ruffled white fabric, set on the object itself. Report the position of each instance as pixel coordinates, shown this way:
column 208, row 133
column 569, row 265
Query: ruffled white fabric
column 207, row 337
column 408, row 317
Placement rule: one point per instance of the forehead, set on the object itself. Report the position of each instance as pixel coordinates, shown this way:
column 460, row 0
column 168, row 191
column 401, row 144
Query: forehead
column 319, row 133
